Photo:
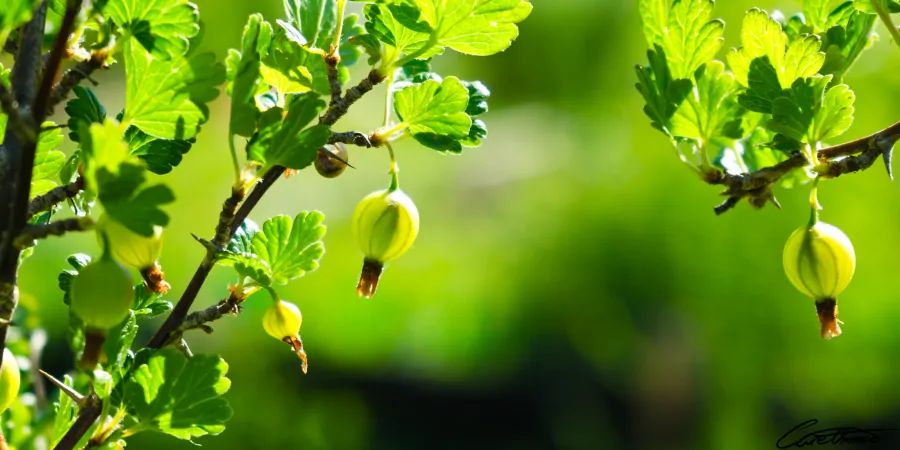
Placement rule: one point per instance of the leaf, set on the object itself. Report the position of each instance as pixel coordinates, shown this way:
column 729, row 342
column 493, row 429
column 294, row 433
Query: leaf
column 65, row 411
column 284, row 67
column 433, row 107
column 179, row 396
column 245, row 79
column 291, row 248
column 794, row 111
column 289, row 144
column 163, row 27
column 848, row 36
column 149, row 304
column 242, row 237
column 83, row 110
column 762, row 36
column 685, row 32
column 662, row 94
column 126, row 199
column 167, row 99
column 103, row 147
column 764, row 86
column 816, row 13
column 474, row 27
column 160, row 155
column 13, row 14
column 119, row 340
column 47, row 160
column 64, row 279
column 835, row 115
column 711, row 111
column 315, row 19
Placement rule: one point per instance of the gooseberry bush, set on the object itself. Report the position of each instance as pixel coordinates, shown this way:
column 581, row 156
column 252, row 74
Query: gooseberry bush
column 769, row 113
column 289, row 84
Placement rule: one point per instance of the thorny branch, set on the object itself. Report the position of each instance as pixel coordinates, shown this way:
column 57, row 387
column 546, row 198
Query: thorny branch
column 54, row 196
column 31, row 233
column 834, row 161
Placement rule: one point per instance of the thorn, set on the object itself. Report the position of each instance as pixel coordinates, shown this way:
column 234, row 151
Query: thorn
column 335, row 156
column 887, row 155
column 774, row 200
column 182, row 346
column 205, row 243
column 64, row 388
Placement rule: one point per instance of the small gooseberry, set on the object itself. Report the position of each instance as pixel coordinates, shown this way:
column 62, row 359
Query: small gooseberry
column 282, row 321
column 10, row 380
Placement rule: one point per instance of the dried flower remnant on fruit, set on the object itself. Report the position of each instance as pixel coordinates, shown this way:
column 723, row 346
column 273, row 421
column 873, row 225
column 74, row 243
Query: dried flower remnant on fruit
column 136, row 251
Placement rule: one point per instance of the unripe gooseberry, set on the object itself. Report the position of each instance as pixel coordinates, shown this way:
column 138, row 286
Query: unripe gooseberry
column 819, row 261
column 101, row 295
column 332, row 160
column 10, row 380
column 385, row 225
column 282, row 321
column 128, row 247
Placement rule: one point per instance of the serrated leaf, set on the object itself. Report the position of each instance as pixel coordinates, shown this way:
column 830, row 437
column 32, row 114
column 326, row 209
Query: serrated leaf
column 849, row 34
column 793, row 112
column 685, row 31
column 119, row 340
column 432, row 107
column 126, row 199
column 764, row 86
column 179, row 396
column 163, row 27
column 102, row 147
column 160, row 155
column 315, row 19
column 245, row 78
column 149, row 304
column 835, row 115
column 242, row 237
column 285, row 66
column 83, row 110
column 291, row 248
column 47, row 160
column 662, row 94
column 474, row 27
column 711, row 110
column 762, row 36
column 290, row 143
column 167, row 99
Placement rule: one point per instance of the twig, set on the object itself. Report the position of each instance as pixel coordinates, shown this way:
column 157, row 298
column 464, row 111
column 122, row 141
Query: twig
column 31, row 233
column 331, row 63
column 201, row 319
column 75, row 75
column 90, row 410
column 834, row 161
column 350, row 137
column 54, row 196
column 51, row 68
column 337, row 109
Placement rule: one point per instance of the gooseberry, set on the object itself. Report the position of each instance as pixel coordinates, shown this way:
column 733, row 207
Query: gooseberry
column 819, row 261
column 385, row 225
column 282, row 321
column 10, row 380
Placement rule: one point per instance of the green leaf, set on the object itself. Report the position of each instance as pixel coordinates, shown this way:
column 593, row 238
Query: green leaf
column 315, row 19
column 662, row 94
column 289, row 144
column 285, row 66
column 474, row 27
column 834, row 116
column 126, row 199
column 245, row 79
column 764, row 86
column 160, row 155
column 410, row 37
column 103, row 147
column 685, row 32
column 119, row 339
column 149, row 304
column 291, row 248
column 849, row 35
column 83, row 110
column 762, row 36
column 163, row 27
column 241, row 239
column 711, row 111
column 167, row 99
column 13, row 14
column 433, row 107
column 65, row 411
column 47, row 160
column 816, row 13
column 179, row 396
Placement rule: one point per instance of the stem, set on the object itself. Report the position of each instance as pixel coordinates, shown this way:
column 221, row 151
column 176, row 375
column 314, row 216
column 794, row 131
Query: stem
column 393, row 169
column 336, row 45
column 814, row 205
column 834, row 161
column 234, row 159
column 885, row 16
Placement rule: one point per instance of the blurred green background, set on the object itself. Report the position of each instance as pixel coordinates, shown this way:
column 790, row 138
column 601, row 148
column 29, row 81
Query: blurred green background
column 571, row 287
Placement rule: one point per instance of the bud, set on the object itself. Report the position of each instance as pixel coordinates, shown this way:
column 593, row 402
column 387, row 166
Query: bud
column 819, row 261
column 282, row 321
column 101, row 295
column 332, row 160
column 385, row 225
column 10, row 379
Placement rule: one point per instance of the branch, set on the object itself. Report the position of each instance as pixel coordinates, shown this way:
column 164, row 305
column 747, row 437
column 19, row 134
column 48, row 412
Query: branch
column 331, row 63
column 835, row 161
column 200, row 319
column 75, row 75
column 32, row 233
column 51, row 68
column 337, row 109
column 15, row 122
column 54, row 196
column 350, row 137
column 87, row 415
column 17, row 155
